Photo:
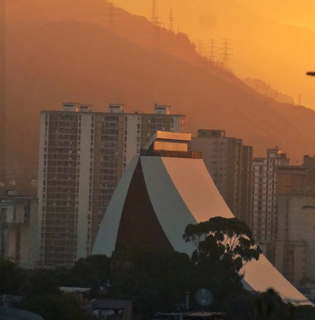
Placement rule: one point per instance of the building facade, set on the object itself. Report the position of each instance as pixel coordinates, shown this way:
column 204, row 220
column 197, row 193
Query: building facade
column 265, row 186
column 229, row 163
column 294, row 247
column 19, row 232
column 290, row 260
column 2, row 148
column 83, row 154
column 296, row 236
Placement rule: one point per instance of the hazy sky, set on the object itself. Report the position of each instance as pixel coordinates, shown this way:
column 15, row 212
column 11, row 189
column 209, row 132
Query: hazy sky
column 296, row 12
column 244, row 22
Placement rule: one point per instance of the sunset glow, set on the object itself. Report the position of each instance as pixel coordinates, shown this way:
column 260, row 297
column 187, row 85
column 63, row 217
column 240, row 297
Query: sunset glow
column 272, row 40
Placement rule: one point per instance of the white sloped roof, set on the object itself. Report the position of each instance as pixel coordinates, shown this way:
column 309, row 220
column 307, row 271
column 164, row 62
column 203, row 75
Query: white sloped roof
column 182, row 192
column 108, row 231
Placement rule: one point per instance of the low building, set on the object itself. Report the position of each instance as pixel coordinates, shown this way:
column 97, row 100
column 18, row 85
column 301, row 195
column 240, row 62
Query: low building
column 81, row 294
column 192, row 316
column 110, row 309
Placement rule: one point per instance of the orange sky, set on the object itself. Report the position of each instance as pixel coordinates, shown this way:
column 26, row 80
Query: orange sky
column 283, row 66
column 296, row 12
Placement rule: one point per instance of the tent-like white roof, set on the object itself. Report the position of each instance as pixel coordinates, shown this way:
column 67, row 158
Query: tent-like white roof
column 182, row 192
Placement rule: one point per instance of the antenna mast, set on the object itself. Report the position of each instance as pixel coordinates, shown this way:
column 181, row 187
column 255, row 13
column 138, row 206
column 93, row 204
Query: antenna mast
column 171, row 20
column 154, row 18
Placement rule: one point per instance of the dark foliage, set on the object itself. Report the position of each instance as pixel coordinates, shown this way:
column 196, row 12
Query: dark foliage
column 156, row 280
column 52, row 307
column 11, row 278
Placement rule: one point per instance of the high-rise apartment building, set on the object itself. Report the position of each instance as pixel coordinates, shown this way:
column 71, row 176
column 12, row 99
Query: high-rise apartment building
column 229, row 163
column 295, row 245
column 2, row 142
column 265, row 180
column 2, row 106
column 83, row 154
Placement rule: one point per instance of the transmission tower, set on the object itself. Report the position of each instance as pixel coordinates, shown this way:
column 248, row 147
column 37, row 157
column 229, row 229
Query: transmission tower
column 212, row 50
column 226, row 49
column 201, row 48
column 157, row 24
column 154, row 17
column 171, row 20
column 110, row 15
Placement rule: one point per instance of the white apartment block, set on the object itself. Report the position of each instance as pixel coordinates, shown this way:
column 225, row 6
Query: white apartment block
column 265, row 182
column 82, row 156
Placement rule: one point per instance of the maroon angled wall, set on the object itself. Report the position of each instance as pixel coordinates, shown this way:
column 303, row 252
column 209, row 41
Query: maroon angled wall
column 139, row 225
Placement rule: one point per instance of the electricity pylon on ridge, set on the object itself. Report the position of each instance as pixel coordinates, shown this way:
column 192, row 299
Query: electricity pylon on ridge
column 154, row 17
column 157, row 25
column 201, row 48
column 110, row 15
column 226, row 49
column 212, row 50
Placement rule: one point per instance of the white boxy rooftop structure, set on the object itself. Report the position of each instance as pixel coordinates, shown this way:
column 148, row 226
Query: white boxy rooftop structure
column 161, row 192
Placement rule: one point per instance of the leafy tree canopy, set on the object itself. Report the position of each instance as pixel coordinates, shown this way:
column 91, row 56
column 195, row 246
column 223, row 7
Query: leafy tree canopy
column 11, row 278
column 222, row 240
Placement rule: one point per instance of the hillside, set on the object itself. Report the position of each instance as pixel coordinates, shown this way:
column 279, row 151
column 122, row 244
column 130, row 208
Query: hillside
column 49, row 62
column 265, row 89
column 268, row 38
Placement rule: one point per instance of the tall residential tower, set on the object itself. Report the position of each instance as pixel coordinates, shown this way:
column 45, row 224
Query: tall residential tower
column 83, row 154
column 265, row 202
column 229, row 163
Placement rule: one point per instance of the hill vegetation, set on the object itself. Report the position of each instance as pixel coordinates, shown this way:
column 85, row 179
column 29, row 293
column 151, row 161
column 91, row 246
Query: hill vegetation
column 65, row 50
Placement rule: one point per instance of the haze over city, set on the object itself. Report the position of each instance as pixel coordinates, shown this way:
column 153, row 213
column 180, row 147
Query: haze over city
column 271, row 40
column 157, row 159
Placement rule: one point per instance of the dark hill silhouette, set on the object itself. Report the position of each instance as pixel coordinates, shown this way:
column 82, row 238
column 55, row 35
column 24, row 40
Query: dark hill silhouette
column 48, row 63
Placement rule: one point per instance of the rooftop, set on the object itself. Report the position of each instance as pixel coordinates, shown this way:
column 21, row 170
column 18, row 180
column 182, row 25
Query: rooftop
column 117, row 108
column 74, row 290
column 170, row 144
column 110, row 304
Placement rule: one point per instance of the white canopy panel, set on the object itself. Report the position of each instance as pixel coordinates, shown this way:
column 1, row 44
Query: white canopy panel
column 182, row 192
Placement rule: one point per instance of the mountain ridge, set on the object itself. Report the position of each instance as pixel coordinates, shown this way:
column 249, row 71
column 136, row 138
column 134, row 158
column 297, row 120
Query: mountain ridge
column 62, row 61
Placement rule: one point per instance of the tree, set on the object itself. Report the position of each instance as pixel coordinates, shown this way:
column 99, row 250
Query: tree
column 11, row 278
column 223, row 247
column 270, row 306
column 83, row 274
column 221, row 239
column 41, row 282
column 101, row 265
column 153, row 279
column 52, row 307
